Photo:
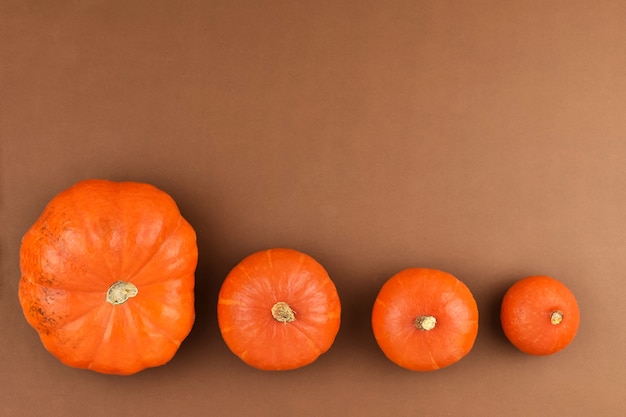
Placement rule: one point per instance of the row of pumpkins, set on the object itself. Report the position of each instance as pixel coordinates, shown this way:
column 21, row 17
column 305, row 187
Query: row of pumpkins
column 108, row 283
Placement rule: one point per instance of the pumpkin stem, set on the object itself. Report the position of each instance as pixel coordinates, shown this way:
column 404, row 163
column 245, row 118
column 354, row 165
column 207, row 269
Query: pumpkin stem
column 283, row 313
column 425, row 322
column 121, row 291
column 556, row 317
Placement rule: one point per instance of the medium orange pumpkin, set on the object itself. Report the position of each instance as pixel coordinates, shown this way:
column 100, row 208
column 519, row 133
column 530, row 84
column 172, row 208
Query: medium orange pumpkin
column 108, row 276
column 539, row 315
column 425, row 319
column 278, row 310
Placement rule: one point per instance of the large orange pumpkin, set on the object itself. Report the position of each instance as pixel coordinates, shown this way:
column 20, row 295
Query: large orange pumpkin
column 278, row 310
column 424, row 319
column 108, row 276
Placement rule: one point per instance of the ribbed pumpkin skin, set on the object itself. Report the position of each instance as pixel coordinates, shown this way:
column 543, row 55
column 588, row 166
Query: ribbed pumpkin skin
column 248, row 295
column 89, row 237
column 423, row 292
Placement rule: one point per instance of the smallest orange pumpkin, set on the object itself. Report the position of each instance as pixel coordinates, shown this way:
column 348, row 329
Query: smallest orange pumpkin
column 539, row 315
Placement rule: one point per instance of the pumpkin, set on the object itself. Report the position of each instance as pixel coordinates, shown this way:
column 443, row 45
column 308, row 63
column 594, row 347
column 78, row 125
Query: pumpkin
column 539, row 315
column 278, row 310
column 108, row 276
column 424, row 319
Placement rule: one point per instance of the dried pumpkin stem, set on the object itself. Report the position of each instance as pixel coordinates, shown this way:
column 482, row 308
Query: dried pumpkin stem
column 425, row 322
column 121, row 291
column 556, row 317
column 283, row 313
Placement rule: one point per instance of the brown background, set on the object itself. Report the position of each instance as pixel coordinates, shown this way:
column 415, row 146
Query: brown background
column 484, row 138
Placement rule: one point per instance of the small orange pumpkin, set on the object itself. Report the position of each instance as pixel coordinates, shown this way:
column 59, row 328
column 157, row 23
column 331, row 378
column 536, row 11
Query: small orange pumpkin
column 278, row 310
column 108, row 276
column 425, row 319
column 539, row 315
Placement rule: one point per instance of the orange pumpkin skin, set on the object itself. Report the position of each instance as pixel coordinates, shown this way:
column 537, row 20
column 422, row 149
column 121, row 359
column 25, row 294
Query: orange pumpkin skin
column 256, row 323
column 425, row 319
column 539, row 315
column 89, row 237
